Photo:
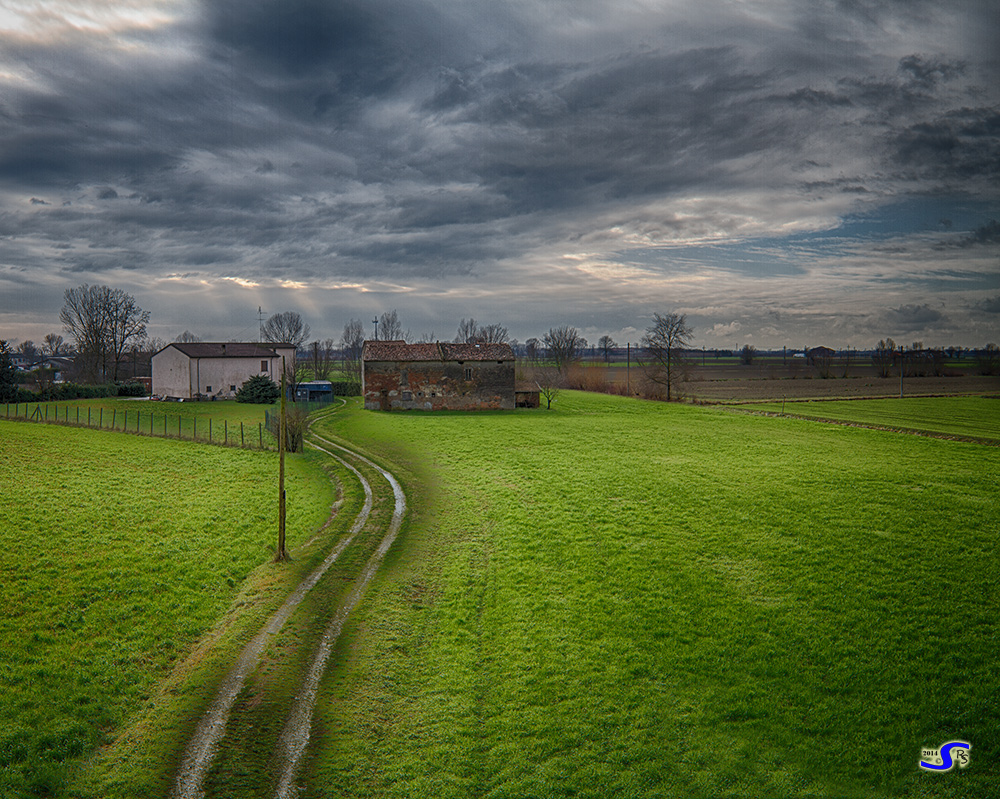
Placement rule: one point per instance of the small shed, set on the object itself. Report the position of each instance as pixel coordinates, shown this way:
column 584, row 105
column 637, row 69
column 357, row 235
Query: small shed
column 527, row 395
column 314, row 391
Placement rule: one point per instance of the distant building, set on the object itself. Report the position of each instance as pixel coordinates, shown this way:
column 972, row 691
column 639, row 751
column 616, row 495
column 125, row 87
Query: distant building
column 314, row 391
column 819, row 353
column 439, row 376
column 200, row 370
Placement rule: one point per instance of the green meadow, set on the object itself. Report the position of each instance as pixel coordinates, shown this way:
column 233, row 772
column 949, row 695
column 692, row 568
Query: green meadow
column 117, row 555
column 975, row 417
column 635, row 599
column 220, row 422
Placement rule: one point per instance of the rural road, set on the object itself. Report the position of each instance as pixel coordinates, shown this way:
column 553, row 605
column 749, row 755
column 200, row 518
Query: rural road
column 204, row 744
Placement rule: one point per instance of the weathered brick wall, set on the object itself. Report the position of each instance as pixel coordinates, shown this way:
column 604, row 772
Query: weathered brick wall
column 437, row 385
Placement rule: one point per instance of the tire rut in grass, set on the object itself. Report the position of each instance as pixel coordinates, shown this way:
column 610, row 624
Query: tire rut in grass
column 295, row 736
column 203, row 745
column 251, row 757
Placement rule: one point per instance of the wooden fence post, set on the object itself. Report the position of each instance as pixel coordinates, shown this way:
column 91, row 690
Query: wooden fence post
column 242, row 443
column 226, row 423
column 100, row 422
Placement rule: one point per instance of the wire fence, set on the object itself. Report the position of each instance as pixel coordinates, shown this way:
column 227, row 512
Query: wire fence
column 176, row 426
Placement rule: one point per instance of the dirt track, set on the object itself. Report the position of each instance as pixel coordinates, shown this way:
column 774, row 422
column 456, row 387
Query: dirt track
column 203, row 747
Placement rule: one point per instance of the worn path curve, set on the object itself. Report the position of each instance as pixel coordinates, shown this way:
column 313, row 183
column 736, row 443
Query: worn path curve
column 295, row 737
column 203, row 745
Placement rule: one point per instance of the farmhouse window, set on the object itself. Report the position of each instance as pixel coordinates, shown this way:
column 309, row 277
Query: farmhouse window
column 263, row 366
column 468, row 373
column 232, row 388
column 208, row 389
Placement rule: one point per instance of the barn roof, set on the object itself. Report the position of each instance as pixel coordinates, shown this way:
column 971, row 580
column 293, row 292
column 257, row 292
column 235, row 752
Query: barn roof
column 439, row 351
column 228, row 349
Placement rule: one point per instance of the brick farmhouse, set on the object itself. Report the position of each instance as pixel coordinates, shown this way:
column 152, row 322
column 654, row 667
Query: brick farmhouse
column 204, row 369
column 439, row 376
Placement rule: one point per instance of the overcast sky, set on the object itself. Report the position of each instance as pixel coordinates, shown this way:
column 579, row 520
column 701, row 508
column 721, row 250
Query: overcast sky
column 784, row 172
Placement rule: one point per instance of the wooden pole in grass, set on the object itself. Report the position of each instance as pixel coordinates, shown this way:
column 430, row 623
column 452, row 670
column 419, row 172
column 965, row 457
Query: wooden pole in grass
column 281, row 554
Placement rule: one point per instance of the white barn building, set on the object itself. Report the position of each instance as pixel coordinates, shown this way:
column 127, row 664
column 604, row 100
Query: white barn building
column 204, row 369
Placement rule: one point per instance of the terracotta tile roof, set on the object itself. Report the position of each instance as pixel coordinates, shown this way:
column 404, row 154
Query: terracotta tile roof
column 229, row 349
column 478, row 352
column 440, row 351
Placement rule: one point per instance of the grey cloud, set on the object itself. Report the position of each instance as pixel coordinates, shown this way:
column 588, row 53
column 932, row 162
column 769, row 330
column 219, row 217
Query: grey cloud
column 423, row 140
column 990, row 305
column 911, row 318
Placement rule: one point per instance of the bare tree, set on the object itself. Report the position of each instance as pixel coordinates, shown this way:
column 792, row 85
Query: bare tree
column 747, row 354
column 664, row 343
column 563, row 345
column 28, row 349
column 105, row 322
column 468, row 330
column 532, row 349
column 548, row 381
column 391, row 328
column 883, row 356
column 989, row 360
column 605, row 346
column 187, row 337
column 53, row 345
column 493, row 334
column 286, row 328
column 351, row 343
column 322, row 359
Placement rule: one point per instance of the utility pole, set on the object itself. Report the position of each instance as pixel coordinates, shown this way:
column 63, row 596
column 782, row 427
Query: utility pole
column 375, row 322
column 281, row 554
column 900, row 371
column 260, row 321
column 628, row 368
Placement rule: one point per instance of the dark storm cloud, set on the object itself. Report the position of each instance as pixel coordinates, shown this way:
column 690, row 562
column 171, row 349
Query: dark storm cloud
column 991, row 305
column 912, row 318
column 422, row 140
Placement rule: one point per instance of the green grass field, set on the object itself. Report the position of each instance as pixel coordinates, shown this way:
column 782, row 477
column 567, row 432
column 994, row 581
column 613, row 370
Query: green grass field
column 191, row 420
column 974, row 417
column 634, row 599
column 117, row 553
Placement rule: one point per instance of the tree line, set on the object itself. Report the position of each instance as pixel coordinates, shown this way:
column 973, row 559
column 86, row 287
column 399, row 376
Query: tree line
column 109, row 334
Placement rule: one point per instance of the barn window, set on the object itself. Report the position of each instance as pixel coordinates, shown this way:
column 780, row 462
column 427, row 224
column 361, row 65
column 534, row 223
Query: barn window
column 232, row 388
column 468, row 373
column 208, row 389
column 263, row 366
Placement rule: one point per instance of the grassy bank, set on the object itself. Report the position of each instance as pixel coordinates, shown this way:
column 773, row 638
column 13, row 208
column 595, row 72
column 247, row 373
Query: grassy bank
column 220, row 422
column 622, row 598
column 975, row 417
column 117, row 553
